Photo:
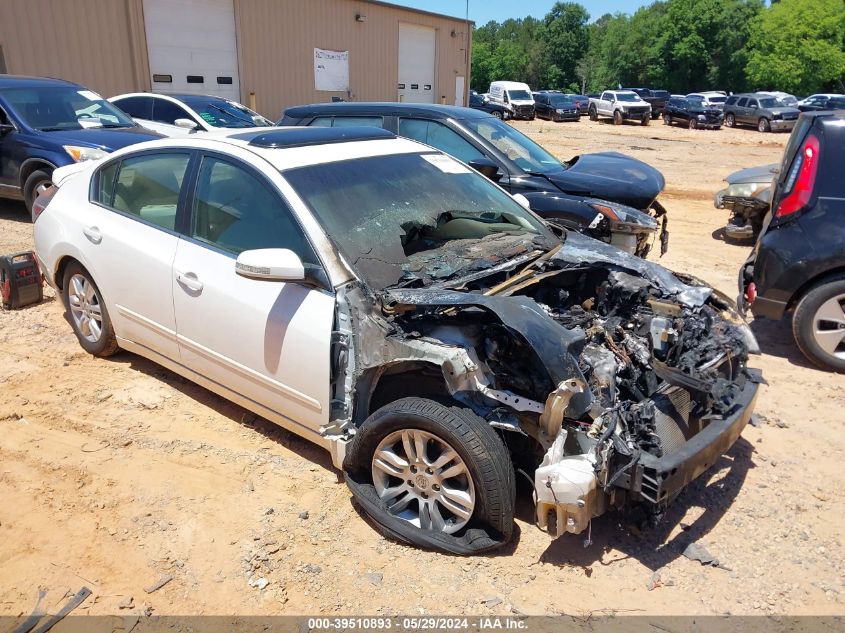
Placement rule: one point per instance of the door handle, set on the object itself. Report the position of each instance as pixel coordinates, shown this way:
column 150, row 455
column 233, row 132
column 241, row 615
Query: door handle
column 190, row 281
column 93, row 234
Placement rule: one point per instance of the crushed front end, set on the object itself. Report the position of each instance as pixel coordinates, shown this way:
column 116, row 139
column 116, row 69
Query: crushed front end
column 613, row 380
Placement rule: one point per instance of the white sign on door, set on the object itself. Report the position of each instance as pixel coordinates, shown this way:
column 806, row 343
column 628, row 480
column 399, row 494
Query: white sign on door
column 331, row 70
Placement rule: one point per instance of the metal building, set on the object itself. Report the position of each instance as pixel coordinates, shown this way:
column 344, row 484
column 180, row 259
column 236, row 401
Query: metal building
column 273, row 53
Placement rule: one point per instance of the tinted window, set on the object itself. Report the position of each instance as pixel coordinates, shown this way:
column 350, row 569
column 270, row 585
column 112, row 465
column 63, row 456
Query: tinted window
column 64, row 108
column 346, row 121
column 136, row 107
column 224, row 113
column 717, row 99
column 520, row 149
column 105, row 184
column 730, row 101
column 769, row 102
column 148, row 187
column 167, row 112
column 237, row 211
column 439, row 136
column 742, row 103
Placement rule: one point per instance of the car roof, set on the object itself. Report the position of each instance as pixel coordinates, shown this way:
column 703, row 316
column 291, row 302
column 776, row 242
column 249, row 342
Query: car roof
column 292, row 147
column 24, row 81
column 435, row 111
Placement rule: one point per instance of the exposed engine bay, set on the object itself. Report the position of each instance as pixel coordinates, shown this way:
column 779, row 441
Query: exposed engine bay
column 605, row 370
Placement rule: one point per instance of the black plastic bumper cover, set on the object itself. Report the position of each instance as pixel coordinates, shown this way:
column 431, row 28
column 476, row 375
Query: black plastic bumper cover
column 663, row 477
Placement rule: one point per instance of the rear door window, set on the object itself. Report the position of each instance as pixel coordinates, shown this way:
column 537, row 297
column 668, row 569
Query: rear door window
column 742, row 103
column 439, row 136
column 136, row 107
column 347, row 121
column 148, row 187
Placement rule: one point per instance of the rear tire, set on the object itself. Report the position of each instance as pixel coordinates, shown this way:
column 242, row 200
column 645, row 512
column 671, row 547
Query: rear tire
column 693, row 124
column 477, row 448
column 617, row 117
column 667, row 120
column 763, row 125
column 497, row 114
column 730, row 120
column 594, row 116
column 36, row 182
column 87, row 310
column 818, row 325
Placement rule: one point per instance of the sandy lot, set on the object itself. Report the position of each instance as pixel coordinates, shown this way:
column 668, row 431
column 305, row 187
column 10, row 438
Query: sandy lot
column 116, row 473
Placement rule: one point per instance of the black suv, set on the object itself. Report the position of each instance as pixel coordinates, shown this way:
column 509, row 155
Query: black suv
column 555, row 106
column 606, row 195
column 694, row 114
column 797, row 266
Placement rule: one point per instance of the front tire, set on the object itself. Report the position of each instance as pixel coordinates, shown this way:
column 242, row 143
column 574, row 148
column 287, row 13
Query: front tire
column 818, row 325
column 730, row 120
column 617, row 118
column 440, row 469
column 594, row 115
column 497, row 114
column 763, row 125
column 37, row 182
column 88, row 314
column 646, row 120
column 667, row 120
column 693, row 124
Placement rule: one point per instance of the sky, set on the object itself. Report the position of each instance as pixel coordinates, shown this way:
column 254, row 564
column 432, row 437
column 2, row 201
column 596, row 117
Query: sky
column 482, row 11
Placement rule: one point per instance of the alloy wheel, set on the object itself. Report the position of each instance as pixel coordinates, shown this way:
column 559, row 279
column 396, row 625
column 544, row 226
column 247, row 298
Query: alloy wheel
column 829, row 326
column 422, row 480
column 85, row 308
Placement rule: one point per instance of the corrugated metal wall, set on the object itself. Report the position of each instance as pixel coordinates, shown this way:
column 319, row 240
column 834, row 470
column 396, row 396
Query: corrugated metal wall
column 98, row 43
column 276, row 40
column 101, row 44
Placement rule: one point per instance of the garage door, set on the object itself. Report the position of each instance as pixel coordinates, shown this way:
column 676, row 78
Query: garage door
column 416, row 63
column 192, row 47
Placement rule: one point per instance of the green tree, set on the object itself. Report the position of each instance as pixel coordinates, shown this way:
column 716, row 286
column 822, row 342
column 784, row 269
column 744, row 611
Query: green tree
column 797, row 46
column 565, row 40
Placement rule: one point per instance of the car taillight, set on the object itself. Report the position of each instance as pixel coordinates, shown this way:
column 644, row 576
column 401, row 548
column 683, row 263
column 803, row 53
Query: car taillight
column 42, row 201
column 751, row 293
column 801, row 179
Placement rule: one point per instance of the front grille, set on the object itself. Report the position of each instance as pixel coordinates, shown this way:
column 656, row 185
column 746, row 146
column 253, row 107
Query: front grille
column 524, row 110
column 790, row 116
column 671, row 420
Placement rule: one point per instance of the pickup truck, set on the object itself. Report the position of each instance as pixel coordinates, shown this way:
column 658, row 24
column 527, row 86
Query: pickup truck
column 655, row 98
column 620, row 105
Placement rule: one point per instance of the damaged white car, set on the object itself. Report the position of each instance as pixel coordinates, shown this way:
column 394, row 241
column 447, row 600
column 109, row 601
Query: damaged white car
column 385, row 301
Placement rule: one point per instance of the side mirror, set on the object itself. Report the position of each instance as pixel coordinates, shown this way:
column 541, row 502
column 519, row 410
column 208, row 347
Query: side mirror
column 5, row 128
column 753, row 105
column 522, row 200
column 272, row 264
column 187, row 124
column 486, row 167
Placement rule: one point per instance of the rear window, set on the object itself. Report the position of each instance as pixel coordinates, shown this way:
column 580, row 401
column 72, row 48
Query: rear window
column 717, row 99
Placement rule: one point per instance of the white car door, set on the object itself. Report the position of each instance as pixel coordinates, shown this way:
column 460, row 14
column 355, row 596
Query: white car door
column 268, row 341
column 130, row 237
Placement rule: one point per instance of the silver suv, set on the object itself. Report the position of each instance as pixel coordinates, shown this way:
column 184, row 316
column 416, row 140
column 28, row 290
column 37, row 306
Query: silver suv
column 765, row 112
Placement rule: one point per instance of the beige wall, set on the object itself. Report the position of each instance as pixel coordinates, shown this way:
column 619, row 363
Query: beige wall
column 276, row 40
column 101, row 44
column 98, row 43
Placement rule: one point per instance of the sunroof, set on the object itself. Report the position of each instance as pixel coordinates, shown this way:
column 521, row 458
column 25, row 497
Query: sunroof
column 303, row 136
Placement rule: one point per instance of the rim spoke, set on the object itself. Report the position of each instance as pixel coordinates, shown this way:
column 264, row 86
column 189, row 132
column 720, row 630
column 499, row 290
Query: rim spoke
column 95, row 311
column 95, row 328
column 831, row 310
column 389, row 495
column 419, row 447
column 84, row 325
column 447, row 456
column 408, row 446
column 430, row 517
column 829, row 340
column 401, row 503
column 390, row 462
column 454, row 470
column 457, row 502
column 78, row 289
column 89, row 291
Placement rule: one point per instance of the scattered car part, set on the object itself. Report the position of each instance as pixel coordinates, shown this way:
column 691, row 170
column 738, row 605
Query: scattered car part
column 609, row 196
column 748, row 197
column 796, row 267
column 20, row 280
column 75, row 600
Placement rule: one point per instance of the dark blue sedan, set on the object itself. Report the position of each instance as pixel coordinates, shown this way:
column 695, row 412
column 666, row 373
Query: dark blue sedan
column 49, row 123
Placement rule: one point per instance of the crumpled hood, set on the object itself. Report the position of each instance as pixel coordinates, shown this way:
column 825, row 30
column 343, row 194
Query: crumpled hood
column 611, row 176
column 763, row 173
column 107, row 139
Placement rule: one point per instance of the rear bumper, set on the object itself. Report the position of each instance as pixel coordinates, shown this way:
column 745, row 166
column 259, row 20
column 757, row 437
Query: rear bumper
column 662, row 478
column 763, row 306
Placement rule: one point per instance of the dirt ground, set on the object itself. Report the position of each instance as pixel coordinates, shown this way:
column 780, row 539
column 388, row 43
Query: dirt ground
column 116, row 474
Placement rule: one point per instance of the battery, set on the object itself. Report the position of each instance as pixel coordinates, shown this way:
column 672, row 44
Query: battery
column 20, row 280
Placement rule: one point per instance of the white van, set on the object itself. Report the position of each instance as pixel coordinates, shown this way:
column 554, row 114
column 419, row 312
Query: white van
column 515, row 97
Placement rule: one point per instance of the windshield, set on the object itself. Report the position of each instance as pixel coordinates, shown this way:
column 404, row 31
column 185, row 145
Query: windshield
column 415, row 219
column 627, row 96
column 561, row 100
column 519, row 94
column 55, row 108
column 769, row 102
column 223, row 113
column 518, row 148
column 717, row 99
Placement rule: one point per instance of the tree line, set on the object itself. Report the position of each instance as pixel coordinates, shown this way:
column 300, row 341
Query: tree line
column 683, row 46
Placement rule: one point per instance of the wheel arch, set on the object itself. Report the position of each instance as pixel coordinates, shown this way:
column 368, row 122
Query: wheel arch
column 31, row 165
column 828, row 275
